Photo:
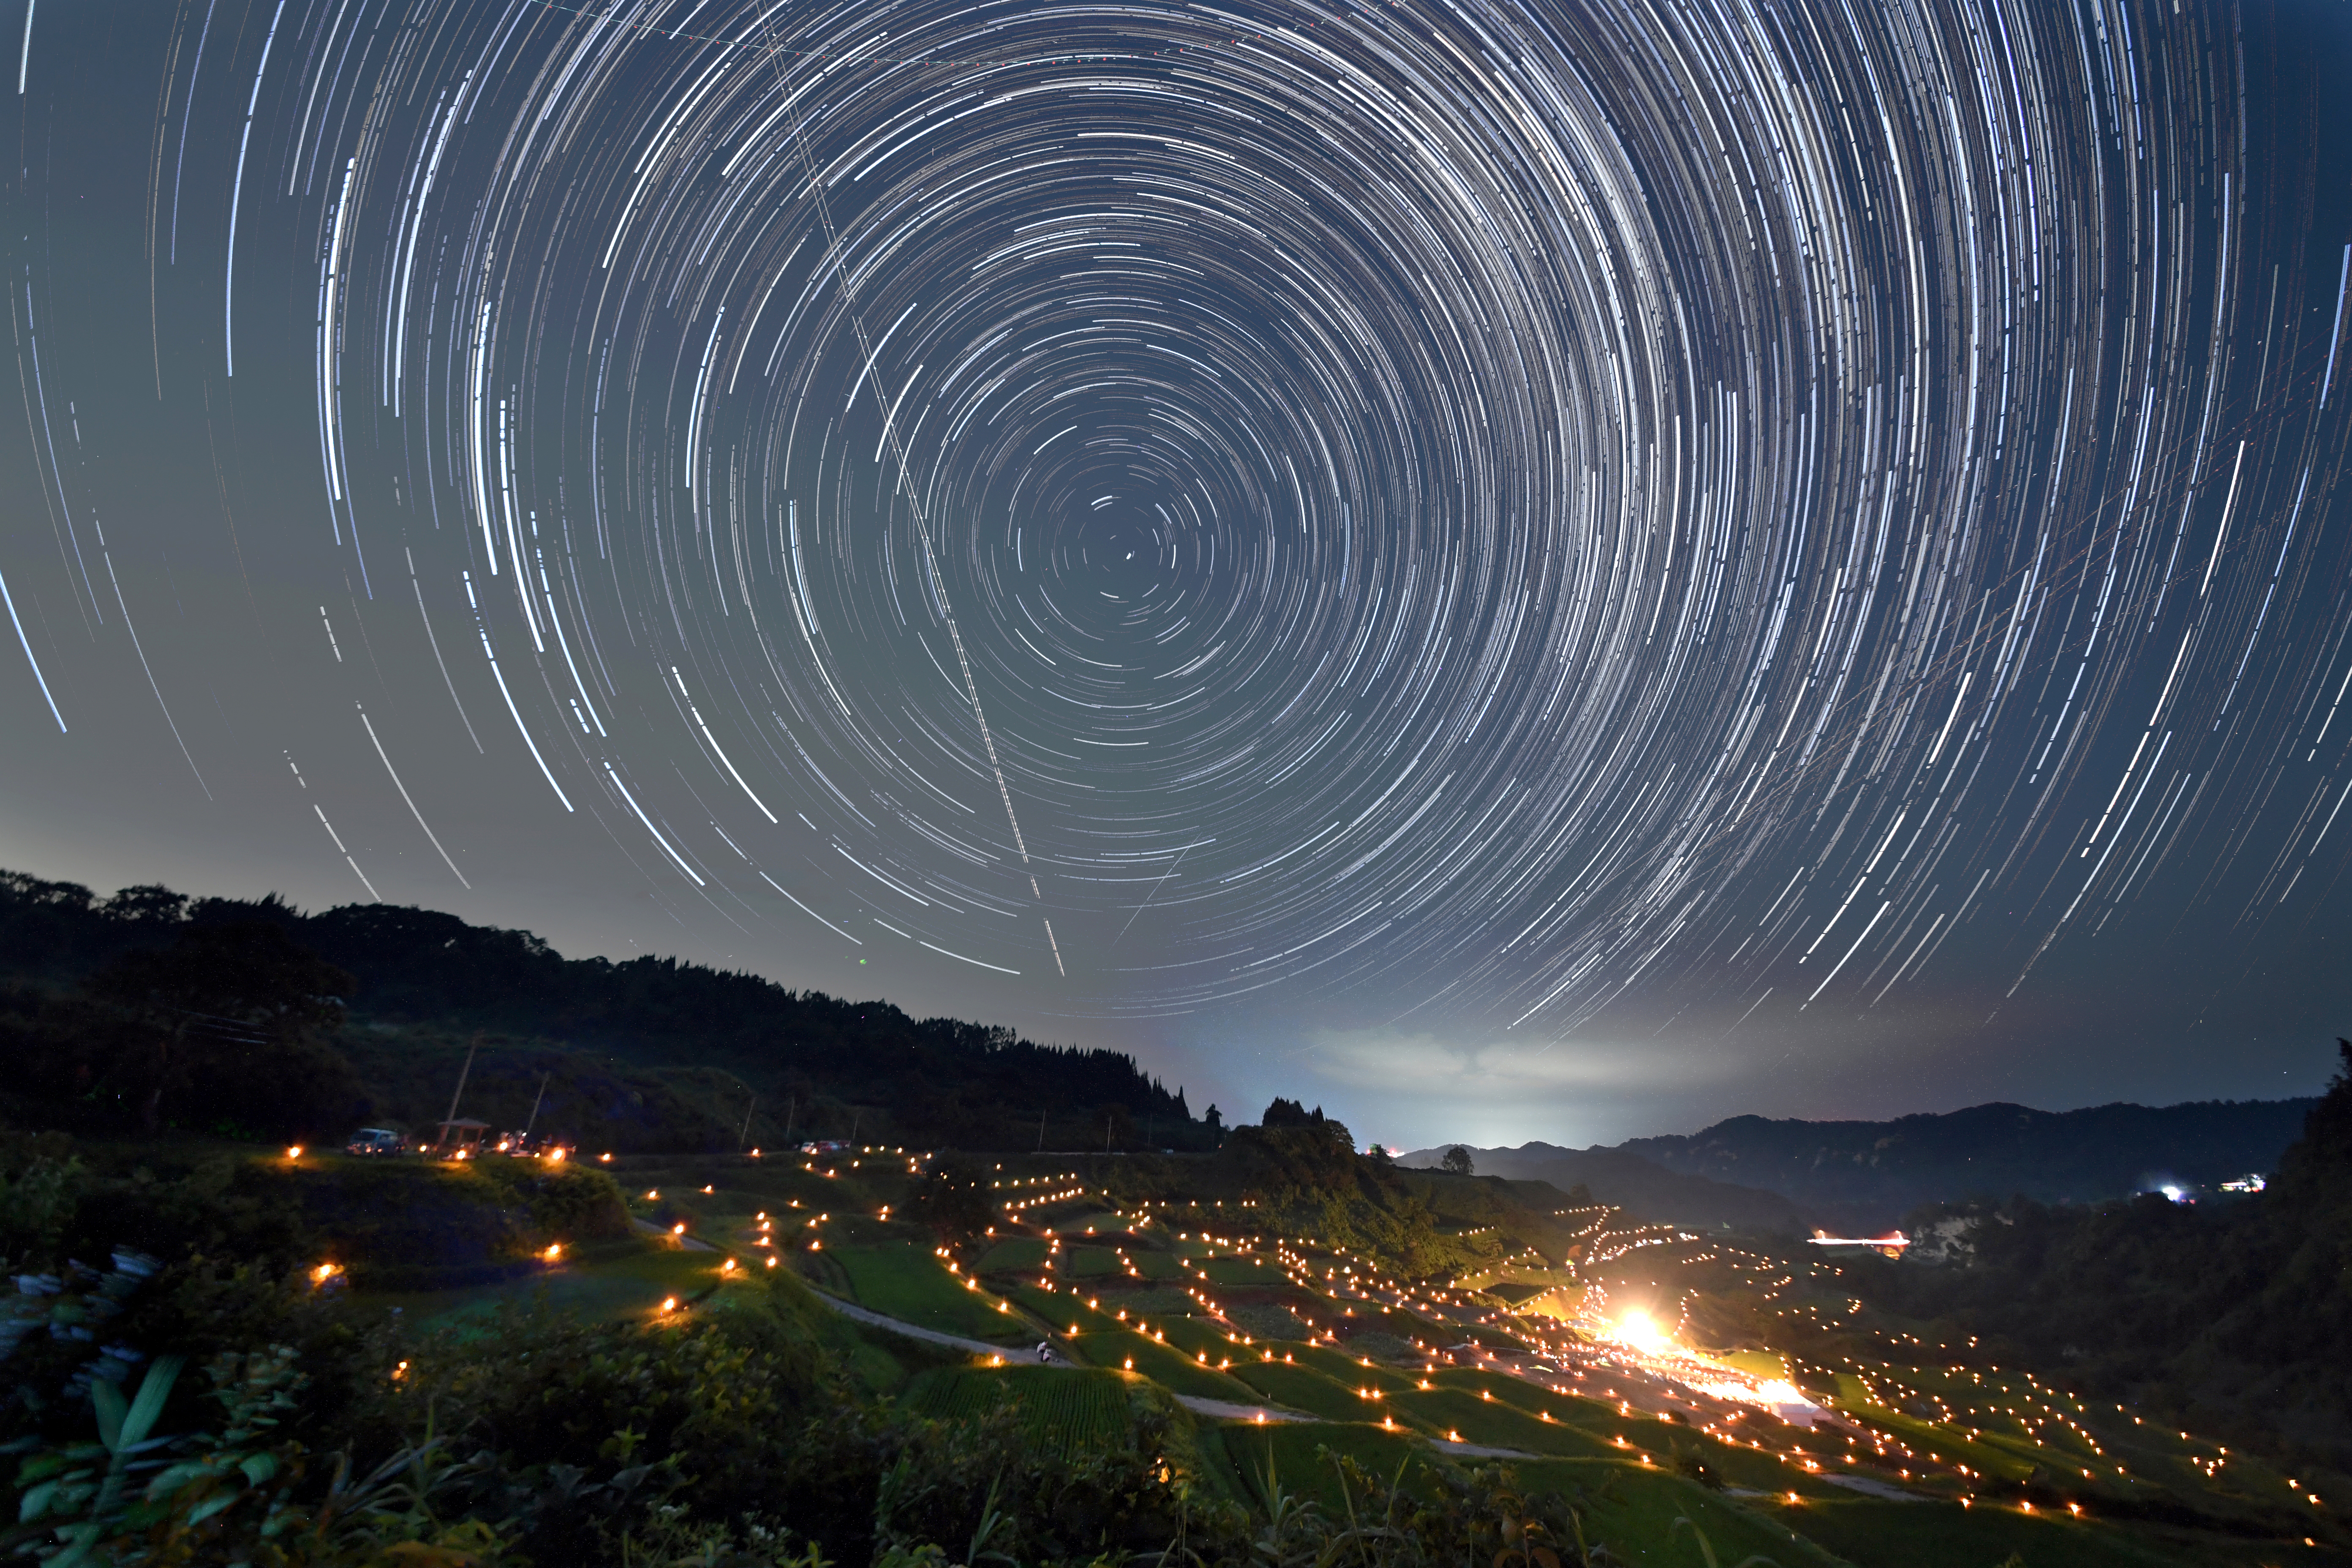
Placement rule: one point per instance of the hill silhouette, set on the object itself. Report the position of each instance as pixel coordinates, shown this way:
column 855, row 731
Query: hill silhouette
column 2231, row 1314
column 1874, row 1172
column 672, row 1052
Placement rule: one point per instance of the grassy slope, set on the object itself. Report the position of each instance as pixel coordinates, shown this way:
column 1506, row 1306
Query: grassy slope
column 904, row 1281
column 1062, row 1412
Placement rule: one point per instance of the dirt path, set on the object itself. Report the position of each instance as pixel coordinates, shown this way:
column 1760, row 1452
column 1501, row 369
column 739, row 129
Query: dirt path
column 1220, row 1409
column 917, row 1332
column 691, row 1243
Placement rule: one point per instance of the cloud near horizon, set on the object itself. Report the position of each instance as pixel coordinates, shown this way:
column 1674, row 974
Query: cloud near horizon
column 1417, row 1089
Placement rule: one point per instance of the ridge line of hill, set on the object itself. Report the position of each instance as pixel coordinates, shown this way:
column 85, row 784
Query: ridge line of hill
column 643, row 1053
column 1754, row 1171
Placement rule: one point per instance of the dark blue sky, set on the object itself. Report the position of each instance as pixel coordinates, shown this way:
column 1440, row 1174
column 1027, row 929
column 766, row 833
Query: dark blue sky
column 1518, row 571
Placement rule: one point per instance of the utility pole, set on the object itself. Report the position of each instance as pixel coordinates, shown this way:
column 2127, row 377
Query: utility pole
column 1041, row 1133
column 791, row 1109
column 471, row 1045
column 534, row 1104
column 1106, row 1133
column 746, row 1136
column 854, row 1121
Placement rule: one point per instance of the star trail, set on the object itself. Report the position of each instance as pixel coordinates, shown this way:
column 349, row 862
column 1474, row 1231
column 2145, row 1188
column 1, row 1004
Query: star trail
column 1702, row 527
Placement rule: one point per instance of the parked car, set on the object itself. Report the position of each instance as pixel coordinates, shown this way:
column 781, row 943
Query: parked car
column 377, row 1141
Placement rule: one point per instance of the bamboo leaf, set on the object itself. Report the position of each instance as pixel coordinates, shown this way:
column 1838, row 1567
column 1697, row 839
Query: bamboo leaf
column 148, row 1408
column 108, row 1399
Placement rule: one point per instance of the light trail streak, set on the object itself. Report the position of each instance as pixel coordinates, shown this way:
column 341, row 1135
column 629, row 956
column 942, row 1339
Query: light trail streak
column 1558, row 515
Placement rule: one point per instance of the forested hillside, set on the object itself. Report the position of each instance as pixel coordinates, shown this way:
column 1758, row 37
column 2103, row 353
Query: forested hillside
column 614, row 1037
column 2233, row 1314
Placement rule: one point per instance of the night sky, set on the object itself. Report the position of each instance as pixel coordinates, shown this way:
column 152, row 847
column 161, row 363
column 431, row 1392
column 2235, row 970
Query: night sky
column 1516, row 570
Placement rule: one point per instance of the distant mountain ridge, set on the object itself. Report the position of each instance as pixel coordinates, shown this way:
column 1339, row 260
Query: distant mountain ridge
column 1757, row 1173
column 1875, row 1171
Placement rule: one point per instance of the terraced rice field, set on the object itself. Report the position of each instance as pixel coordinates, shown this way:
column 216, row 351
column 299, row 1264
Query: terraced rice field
column 1061, row 1411
column 905, row 1281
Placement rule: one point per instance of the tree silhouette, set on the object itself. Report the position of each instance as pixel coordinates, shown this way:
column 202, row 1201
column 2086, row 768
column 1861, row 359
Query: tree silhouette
column 953, row 1199
column 1457, row 1160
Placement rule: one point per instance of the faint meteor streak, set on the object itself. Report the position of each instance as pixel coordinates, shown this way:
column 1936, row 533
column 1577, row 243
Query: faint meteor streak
column 411, row 803
column 872, row 370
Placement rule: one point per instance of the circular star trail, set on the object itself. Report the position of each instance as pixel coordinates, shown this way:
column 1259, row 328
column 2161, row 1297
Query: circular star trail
column 1496, row 516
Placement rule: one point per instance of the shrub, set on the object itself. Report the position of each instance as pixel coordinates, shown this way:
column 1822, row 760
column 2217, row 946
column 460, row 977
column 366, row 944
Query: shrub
column 953, row 1199
column 565, row 1202
column 40, row 1183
